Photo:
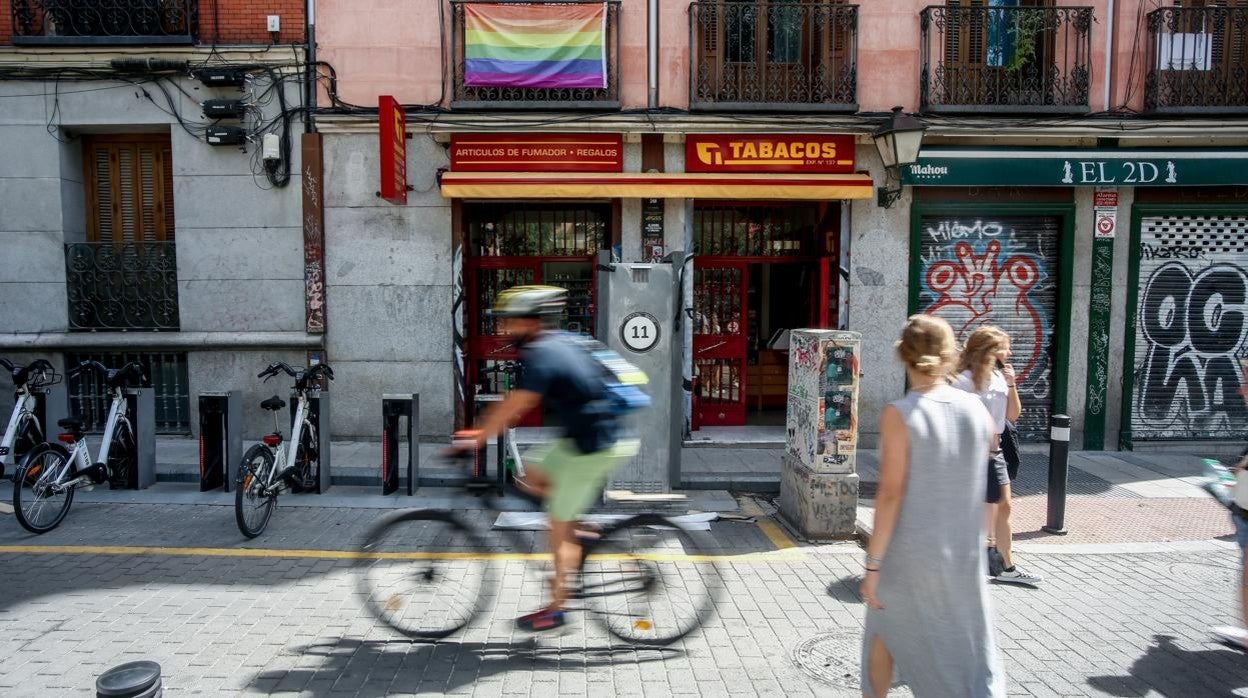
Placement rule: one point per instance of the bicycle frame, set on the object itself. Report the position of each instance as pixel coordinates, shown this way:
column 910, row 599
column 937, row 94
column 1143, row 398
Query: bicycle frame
column 80, row 456
column 22, row 411
column 290, row 452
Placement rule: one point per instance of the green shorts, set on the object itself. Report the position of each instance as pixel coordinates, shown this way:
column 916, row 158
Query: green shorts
column 575, row 477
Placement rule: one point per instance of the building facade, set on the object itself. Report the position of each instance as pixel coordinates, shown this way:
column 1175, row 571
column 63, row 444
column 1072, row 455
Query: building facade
column 1078, row 185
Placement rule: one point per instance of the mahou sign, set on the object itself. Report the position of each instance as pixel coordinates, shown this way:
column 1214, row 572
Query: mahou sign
column 826, row 154
column 537, row 152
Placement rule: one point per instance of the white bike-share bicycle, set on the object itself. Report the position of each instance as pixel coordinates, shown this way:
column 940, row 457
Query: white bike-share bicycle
column 267, row 469
column 23, row 431
column 44, row 484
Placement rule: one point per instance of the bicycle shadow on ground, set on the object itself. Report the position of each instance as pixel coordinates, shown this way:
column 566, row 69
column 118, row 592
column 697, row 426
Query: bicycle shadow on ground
column 374, row 668
column 1175, row 672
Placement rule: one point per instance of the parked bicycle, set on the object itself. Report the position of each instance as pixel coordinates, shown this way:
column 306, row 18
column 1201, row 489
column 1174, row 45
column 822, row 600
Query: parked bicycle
column 268, row 469
column 46, row 478
column 427, row 573
column 23, row 431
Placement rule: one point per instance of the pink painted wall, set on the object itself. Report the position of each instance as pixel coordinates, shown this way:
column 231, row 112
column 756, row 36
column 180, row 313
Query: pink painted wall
column 888, row 54
column 392, row 47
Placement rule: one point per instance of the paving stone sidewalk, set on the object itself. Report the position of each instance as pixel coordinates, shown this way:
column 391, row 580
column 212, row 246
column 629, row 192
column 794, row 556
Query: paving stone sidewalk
column 1128, row 623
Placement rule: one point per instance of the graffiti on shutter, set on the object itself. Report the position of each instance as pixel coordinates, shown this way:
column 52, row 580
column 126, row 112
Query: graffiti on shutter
column 1191, row 328
column 998, row 271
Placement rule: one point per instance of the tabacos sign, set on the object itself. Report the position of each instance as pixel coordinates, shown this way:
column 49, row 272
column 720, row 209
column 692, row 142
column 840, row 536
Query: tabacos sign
column 828, row 154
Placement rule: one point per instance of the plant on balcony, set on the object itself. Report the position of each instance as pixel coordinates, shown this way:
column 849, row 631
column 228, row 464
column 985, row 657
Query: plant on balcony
column 1027, row 26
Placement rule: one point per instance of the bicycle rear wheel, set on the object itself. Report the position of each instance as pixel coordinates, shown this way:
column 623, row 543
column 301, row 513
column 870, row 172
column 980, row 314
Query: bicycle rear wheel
column 421, row 572
column 645, row 583
column 252, row 505
column 37, row 503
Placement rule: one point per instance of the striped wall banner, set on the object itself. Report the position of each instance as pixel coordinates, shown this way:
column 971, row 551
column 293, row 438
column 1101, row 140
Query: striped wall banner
column 535, row 45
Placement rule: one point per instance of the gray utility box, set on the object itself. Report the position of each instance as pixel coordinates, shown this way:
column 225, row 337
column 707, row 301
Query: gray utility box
column 637, row 305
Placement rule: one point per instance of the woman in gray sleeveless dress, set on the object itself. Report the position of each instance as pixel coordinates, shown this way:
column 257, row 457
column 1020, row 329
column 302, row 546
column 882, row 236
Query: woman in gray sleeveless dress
column 928, row 612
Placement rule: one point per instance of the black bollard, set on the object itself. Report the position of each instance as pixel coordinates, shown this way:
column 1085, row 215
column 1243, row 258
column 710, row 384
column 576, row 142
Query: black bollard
column 1059, row 464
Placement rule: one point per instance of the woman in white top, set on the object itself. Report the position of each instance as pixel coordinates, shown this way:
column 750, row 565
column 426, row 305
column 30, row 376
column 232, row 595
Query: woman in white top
column 985, row 371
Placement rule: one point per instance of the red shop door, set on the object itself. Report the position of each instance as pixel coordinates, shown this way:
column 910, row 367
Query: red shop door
column 719, row 340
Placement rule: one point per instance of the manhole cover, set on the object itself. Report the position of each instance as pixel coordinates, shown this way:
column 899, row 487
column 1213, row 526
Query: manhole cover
column 835, row 658
column 1215, row 575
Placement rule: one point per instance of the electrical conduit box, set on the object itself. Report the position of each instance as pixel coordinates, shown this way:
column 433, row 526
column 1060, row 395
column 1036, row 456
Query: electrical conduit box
column 818, row 482
column 637, row 318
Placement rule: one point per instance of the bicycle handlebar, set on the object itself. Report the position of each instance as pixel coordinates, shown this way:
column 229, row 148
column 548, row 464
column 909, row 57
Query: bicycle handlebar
column 116, row 378
column 301, row 376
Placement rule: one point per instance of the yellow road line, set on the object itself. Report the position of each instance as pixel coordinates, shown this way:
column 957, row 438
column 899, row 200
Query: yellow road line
column 355, row 555
column 770, row 528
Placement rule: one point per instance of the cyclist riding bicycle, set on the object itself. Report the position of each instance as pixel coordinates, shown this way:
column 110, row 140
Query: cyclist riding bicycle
column 570, row 472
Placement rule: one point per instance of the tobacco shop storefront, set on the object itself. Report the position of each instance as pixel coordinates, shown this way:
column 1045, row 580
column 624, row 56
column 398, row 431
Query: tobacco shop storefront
column 537, row 208
column 1035, row 254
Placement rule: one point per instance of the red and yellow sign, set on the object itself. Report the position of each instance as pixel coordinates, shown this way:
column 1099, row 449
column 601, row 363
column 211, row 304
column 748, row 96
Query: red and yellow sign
column 393, row 131
column 537, row 152
column 770, row 153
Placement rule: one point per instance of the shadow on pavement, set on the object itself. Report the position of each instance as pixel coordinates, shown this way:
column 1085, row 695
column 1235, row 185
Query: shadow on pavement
column 1174, row 672
column 845, row 589
column 369, row 668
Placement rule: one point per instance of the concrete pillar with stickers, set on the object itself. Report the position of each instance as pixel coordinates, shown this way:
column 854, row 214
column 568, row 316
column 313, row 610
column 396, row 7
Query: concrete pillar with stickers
column 638, row 319
column 818, row 480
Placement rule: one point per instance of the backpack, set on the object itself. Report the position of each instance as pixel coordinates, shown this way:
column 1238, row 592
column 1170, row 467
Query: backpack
column 622, row 380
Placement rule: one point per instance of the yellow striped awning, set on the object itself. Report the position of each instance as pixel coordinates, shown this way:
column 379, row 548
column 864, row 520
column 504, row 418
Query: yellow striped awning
column 672, row 185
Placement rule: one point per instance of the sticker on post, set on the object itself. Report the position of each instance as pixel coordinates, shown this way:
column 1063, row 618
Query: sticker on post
column 640, row 332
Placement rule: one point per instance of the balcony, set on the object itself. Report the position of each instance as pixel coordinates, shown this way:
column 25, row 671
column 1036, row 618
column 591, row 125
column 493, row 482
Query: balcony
column 1008, row 60
column 87, row 22
column 128, row 286
column 1196, row 61
column 764, row 55
column 477, row 87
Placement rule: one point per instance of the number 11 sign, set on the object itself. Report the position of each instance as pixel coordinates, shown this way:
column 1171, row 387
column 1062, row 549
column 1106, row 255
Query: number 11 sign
column 640, row 332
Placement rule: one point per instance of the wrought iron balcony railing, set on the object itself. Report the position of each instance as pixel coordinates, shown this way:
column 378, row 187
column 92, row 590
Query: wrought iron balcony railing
column 768, row 55
column 78, row 22
column 465, row 96
column 1196, row 61
column 130, row 286
column 1016, row 60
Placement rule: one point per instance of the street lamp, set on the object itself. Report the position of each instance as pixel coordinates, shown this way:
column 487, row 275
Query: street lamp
column 898, row 141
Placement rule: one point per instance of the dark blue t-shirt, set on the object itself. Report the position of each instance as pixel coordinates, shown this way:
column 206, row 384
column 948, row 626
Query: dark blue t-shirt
column 572, row 386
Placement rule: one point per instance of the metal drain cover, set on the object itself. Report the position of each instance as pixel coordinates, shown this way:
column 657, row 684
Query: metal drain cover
column 1214, row 575
column 836, row 658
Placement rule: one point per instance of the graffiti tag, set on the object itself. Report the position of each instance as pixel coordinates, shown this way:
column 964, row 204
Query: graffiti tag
column 1194, row 331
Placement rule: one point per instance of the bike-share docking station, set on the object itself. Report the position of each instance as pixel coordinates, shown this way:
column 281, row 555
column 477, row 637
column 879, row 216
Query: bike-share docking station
column 51, row 405
column 639, row 318
column 318, row 417
column 220, row 439
column 141, row 403
column 393, row 408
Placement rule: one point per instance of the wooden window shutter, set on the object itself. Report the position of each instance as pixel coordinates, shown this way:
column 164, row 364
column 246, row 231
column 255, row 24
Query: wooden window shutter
column 129, row 188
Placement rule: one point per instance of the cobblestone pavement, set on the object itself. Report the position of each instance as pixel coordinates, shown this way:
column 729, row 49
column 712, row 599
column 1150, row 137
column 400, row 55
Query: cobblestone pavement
column 280, row 614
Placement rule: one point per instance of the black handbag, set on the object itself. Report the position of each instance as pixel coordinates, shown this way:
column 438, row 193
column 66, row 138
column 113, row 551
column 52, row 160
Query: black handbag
column 1010, row 450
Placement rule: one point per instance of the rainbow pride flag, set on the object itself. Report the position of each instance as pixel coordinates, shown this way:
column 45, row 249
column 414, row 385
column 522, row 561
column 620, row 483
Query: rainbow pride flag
column 508, row 45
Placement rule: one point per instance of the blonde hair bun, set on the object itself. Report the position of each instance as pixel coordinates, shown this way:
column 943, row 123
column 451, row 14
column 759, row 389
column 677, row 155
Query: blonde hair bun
column 927, row 345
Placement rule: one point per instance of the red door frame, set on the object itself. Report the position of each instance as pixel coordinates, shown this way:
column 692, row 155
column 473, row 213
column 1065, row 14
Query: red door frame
column 726, row 340
column 823, row 313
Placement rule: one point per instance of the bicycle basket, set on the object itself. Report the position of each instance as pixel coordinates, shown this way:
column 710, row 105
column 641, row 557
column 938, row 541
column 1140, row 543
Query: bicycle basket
column 44, row 379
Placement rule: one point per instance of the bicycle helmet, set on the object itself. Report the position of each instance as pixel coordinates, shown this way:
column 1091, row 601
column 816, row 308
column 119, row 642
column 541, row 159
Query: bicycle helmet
column 546, row 302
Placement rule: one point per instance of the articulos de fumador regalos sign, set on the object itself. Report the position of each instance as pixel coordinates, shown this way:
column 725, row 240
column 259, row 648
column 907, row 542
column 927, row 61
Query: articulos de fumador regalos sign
column 1078, row 168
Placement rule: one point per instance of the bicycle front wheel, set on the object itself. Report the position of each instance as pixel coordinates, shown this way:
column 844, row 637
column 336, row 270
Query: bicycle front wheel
column 422, row 573
column 645, row 582
column 40, row 499
column 253, row 506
